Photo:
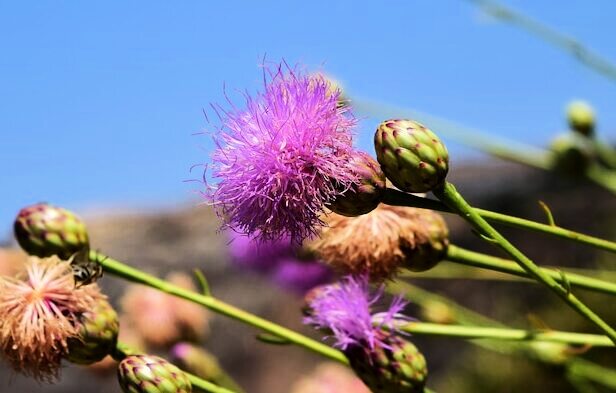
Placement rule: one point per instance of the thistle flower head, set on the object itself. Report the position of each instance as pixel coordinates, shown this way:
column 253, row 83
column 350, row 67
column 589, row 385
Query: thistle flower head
column 345, row 309
column 283, row 157
column 39, row 312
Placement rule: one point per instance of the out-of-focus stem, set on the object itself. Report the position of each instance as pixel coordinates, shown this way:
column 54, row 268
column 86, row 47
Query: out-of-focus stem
column 483, row 332
column 570, row 45
column 399, row 198
column 450, row 196
column 470, row 258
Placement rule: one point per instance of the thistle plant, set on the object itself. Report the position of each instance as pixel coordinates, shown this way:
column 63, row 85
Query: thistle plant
column 303, row 206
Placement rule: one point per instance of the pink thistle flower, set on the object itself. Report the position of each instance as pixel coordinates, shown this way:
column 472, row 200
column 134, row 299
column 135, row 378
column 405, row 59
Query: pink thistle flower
column 284, row 157
column 345, row 309
column 39, row 311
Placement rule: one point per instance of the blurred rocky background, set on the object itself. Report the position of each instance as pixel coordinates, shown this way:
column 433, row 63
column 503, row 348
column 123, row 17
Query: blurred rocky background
column 187, row 238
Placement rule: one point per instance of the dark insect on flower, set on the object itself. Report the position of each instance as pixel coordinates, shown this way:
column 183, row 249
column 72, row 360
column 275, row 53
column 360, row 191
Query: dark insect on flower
column 85, row 270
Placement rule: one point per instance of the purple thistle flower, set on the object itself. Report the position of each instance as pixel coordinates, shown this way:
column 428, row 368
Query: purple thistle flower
column 345, row 309
column 283, row 157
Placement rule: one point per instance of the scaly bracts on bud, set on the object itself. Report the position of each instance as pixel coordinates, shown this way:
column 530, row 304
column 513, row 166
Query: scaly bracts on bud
column 44, row 230
column 364, row 196
column 395, row 367
column 412, row 156
column 151, row 374
column 97, row 334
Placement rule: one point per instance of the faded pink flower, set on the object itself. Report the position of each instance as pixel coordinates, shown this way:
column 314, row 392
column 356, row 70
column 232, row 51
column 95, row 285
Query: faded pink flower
column 39, row 310
column 162, row 320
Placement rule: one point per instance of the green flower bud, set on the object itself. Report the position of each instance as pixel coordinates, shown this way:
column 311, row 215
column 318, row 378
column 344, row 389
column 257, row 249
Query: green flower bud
column 550, row 352
column 44, row 230
column 399, row 368
column 151, row 374
column 572, row 153
column 430, row 244
column 412, row 156
column 196, row 360
column 98, row 335
column 581, row 118
column 366, row 195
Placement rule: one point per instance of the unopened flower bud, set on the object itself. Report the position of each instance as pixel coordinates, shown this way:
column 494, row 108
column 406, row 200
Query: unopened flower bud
column 198, row 361
column 396, row 367
column 430, row 244
column 572, row 153
column 412, row 156
column 581, row 118
column 97, row 334
column 437, row 312
column 44, row 230
column 151, row 374
column 364, row 196
column 551, row 352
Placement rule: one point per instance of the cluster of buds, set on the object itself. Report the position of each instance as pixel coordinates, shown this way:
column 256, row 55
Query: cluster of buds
column 66, row 318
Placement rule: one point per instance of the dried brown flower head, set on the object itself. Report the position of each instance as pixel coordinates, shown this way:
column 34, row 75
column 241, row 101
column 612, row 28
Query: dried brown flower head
column 162, row 320
column 39, row 310
column 382, row 241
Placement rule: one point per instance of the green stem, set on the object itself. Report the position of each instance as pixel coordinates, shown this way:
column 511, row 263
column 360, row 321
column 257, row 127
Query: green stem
column 131, row 274
column 470, row 258
column 483, row 332
column 498, row 147
column 123, row 350
column 450, row 196
column 399, row 198
column 593, row 372
column 603, row 177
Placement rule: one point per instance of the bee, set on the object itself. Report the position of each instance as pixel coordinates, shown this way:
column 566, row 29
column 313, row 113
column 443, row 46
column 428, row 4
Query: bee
column 85, row 270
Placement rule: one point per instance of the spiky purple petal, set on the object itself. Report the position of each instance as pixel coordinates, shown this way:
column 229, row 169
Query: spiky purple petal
column 345, row 309
column 283, row 157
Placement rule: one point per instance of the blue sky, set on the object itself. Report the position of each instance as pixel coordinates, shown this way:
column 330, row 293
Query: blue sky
column 99, row 101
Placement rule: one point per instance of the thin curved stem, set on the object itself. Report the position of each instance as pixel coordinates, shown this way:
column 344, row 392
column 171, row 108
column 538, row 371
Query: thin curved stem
column 570, row 45
column 504, row 334
column 399, row 198
column 123, row 350
column 119, row 269
column 471, row 258
column 450, row 196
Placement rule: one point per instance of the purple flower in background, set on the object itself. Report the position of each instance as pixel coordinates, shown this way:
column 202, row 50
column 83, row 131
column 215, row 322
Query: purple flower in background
column 345, row 309
column 283, row 157
column 300, row 276
column 278, row 260
column 263, row 256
